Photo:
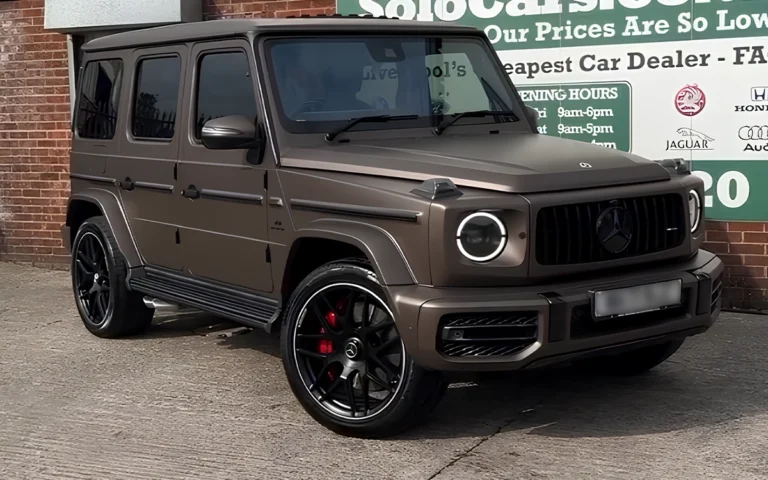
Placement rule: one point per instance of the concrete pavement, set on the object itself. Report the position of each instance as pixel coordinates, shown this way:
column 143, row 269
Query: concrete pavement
column 176, row 403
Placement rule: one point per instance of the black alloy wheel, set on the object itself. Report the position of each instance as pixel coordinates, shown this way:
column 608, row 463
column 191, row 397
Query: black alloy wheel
column 106, row 306
column 348, row 351
column 344, row 357
column 92, row 278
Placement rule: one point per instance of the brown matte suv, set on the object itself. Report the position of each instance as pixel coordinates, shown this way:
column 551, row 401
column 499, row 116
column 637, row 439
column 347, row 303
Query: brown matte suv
column 376, row 190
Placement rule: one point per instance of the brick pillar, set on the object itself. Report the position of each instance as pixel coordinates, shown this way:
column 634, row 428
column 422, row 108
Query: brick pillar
column 34, row 135
column 742, row 247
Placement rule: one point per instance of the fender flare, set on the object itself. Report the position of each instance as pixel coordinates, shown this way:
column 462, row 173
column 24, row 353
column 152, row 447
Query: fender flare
column 386, row 256
column 113, row 211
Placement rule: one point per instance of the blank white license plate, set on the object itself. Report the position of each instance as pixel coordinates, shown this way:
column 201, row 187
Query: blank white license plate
column 637, row 299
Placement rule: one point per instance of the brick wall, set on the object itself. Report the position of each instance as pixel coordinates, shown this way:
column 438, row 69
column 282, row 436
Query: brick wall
column 34, row 135
column 214, row 9
column 34, row 144
column 742, row 247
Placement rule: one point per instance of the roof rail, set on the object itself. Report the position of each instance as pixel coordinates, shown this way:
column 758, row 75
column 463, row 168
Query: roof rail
column 339, row 15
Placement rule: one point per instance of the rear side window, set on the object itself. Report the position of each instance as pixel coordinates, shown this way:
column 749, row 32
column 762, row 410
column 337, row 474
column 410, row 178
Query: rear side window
column 224, row 88
column 157, row 97
column 99, row 99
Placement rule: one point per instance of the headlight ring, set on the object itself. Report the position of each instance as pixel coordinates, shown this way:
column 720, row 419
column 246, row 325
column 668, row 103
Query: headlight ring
column 481, row 237
column 694, row 209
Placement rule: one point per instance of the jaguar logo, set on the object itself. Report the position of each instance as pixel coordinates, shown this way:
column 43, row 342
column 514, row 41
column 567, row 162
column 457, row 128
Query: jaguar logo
column 585, row 165
column 614, row 229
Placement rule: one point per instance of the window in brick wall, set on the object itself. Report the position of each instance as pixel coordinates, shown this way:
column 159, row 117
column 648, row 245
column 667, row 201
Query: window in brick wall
column 99, row 99
column 224, row 88
column 157, row 97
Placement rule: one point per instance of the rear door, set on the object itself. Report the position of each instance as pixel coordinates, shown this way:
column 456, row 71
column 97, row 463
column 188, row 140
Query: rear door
column 146, row 167
column 224, row 223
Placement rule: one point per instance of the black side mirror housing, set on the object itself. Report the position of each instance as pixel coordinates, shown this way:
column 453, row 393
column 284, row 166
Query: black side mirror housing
column 232, row 132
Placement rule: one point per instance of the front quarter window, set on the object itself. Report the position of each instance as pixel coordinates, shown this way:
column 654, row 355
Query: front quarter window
column 323, row 82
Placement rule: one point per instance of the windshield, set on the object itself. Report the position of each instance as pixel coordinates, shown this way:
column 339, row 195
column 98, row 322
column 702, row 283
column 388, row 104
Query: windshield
column 321, row 83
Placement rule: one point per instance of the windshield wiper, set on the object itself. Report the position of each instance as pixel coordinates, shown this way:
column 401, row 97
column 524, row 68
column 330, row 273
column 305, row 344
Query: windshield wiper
column 478, row 113
column 372, row 118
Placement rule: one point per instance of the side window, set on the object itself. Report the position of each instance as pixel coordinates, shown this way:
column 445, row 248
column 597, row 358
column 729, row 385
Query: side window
column 224, row 88
column 156, row 98
column 99, row 99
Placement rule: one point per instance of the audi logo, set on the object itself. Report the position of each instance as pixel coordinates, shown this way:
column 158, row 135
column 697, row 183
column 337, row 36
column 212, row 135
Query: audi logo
column 754, row 132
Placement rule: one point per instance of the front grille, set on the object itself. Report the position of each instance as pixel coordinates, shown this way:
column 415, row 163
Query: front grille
column 717, row 290
column 567, row 234
column 492, row 334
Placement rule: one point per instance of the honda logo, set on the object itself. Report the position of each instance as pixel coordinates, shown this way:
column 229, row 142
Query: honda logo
column 760, row 94
column 754, row 132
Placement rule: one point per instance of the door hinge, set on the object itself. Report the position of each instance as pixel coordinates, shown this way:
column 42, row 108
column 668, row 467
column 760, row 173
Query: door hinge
column 269, row 255
column 266, row 180
column 175, row 171
column 178, row 237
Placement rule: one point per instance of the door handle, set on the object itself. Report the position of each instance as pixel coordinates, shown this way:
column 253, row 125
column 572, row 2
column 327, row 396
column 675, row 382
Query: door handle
column 191, row 192
column 127, row 184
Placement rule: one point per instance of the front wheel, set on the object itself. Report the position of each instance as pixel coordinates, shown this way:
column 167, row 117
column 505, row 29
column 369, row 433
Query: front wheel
column 345, row 360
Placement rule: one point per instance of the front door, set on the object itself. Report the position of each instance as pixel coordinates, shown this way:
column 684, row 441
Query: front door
column 224, row 220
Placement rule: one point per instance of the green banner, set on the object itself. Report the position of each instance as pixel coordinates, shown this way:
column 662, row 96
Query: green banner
column 599, row 113
column 522, row 24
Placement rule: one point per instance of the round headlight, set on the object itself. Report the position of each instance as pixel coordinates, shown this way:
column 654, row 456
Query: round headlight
column 694, row 209
column 481, row 237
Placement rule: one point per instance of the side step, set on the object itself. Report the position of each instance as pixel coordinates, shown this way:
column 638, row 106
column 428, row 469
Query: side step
column 247, row 308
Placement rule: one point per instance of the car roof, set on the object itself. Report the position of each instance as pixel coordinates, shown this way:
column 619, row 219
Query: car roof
column 183, row 32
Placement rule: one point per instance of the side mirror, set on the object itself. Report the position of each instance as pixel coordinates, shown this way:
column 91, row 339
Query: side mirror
column 233, row 132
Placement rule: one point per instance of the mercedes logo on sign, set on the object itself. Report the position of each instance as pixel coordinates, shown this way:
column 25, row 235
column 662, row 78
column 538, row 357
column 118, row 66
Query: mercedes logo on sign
column 614, row 229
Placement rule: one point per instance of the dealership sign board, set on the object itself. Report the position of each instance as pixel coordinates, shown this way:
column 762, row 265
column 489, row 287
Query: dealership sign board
column 659, row 78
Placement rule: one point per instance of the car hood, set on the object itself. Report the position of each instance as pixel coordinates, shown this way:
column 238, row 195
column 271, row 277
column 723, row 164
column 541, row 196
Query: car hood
column 519, row 163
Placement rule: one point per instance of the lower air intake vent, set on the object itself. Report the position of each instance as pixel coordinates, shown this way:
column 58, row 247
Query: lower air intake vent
column 487, row 334
column 717, row 290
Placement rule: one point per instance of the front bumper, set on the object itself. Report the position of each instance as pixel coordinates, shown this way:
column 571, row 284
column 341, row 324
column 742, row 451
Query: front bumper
column 559, row 317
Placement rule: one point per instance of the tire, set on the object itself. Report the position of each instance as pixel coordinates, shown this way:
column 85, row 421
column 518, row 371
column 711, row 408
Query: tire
column 634, row 362
column 413, row 396
column 116, row 312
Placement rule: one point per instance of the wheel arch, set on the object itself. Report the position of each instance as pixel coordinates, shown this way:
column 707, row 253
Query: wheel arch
column 339, row 239
column 84, row 205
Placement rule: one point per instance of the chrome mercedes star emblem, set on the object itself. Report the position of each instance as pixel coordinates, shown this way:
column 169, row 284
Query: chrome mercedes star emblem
column 614, row 229
column 351, row 350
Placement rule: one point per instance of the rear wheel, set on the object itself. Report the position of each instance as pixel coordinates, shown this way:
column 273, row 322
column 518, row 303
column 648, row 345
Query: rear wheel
column 345, row 360
column 633, row 362
column 107, row 308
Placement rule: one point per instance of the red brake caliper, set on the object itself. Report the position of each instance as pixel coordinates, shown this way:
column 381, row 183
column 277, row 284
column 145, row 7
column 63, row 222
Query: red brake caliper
column 325, row 346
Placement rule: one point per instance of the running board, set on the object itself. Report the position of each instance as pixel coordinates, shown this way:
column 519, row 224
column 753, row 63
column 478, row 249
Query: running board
column 247, row 308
